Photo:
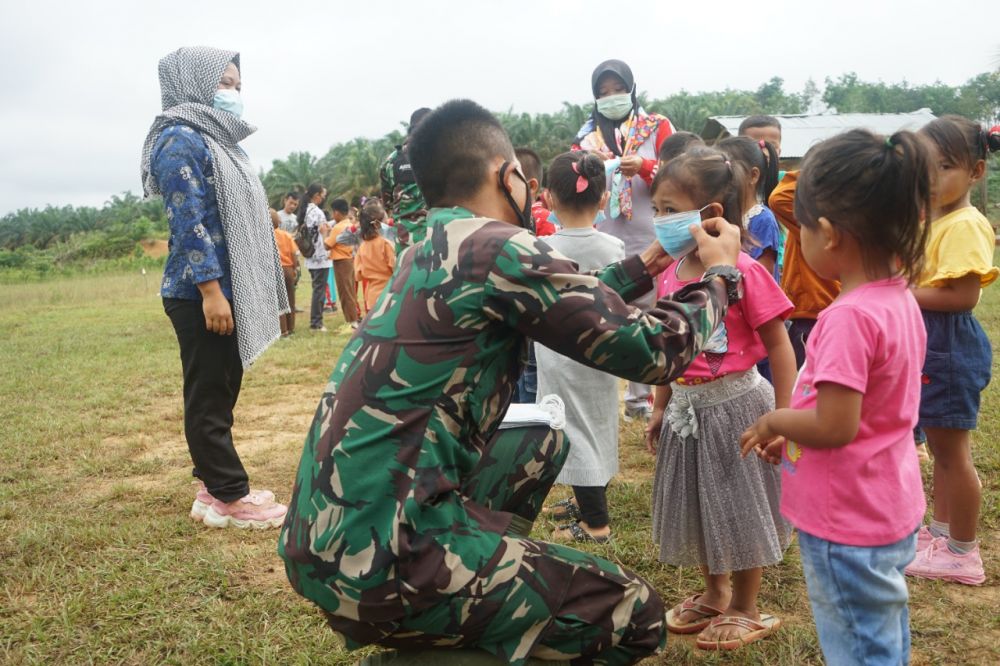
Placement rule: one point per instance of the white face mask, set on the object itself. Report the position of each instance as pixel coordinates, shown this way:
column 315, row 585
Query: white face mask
column 615, row 107
column 228, row 100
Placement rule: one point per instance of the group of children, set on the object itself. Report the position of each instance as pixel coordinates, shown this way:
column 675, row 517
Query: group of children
column 851, row 331
column 351, row 242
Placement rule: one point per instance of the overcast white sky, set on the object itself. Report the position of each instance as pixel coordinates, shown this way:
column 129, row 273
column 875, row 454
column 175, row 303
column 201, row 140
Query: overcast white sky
column 79, row 88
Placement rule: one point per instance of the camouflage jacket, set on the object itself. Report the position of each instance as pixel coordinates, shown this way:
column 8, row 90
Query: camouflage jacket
column 403, row 199
column 377, row 525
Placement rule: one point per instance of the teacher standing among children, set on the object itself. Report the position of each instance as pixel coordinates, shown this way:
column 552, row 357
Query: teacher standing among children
column 628, row 139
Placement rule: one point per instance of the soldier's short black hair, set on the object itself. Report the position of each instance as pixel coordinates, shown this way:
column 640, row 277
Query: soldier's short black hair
column 451, row 149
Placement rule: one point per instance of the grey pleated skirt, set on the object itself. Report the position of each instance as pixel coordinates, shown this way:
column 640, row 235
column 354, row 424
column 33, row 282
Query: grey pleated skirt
column 710, row 506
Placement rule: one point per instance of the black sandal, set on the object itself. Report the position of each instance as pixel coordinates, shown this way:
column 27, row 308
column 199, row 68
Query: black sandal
column 583, row 536
column 564, row 510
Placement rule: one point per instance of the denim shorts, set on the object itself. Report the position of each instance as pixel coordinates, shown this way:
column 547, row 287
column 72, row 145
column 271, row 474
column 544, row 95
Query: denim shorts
column 957, row 369
column 859, row 600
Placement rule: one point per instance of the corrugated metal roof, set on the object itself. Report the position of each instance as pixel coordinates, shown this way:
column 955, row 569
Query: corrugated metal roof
column 800, row 132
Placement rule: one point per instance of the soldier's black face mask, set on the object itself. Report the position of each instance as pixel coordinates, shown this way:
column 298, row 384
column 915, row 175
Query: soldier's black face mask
column 523, row 214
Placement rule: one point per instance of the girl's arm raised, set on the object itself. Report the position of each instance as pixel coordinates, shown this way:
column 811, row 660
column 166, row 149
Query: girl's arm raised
column 832, row 424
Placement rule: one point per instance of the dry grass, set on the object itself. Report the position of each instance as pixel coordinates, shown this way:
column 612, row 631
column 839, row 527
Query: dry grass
column 102, row 565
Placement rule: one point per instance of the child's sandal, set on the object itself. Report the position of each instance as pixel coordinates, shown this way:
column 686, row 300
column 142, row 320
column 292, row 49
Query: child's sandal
column 581, row 535
column 755, row 631
column 691, row 604
column 563, row 510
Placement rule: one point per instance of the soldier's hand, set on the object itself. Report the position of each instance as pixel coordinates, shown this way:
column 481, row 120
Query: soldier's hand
column 718, row 242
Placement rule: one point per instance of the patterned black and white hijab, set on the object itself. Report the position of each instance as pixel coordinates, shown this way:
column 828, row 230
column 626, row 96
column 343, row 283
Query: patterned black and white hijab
column 189, row 78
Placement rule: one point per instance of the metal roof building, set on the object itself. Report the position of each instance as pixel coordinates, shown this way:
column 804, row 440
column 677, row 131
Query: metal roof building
column 800, row 132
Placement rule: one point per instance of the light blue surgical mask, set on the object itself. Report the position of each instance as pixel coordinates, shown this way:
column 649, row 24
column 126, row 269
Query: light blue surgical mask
column 228, row 100
column 615, row 107
column 673, row 233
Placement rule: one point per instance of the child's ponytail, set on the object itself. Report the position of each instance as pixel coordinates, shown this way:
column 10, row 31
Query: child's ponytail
column 577, row 179
column 991, row 139
column 877, row 189
column 760, row 154
column 962, row 141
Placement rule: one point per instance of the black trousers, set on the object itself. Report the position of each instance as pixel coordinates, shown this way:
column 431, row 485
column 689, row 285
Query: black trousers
column 213, row 374
column 593, row 503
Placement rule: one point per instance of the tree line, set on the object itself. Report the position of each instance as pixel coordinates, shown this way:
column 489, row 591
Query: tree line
column 350, row 169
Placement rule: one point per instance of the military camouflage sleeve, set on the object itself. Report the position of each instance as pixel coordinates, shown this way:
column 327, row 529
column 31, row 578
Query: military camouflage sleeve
column 385, row 178
column 585, row 317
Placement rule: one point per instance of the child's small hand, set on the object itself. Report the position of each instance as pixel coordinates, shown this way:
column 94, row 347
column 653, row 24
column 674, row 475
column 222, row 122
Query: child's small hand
column 653, row 428
column 758, row 436
column 772, row 451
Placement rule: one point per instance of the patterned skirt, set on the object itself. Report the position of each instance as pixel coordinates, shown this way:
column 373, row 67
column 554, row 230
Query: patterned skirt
column 710, row 506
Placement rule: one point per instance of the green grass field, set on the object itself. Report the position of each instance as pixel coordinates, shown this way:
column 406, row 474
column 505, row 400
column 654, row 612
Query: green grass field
column 99, row 562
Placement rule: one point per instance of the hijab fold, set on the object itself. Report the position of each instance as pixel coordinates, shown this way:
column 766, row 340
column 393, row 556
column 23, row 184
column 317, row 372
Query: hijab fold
column 189, row 78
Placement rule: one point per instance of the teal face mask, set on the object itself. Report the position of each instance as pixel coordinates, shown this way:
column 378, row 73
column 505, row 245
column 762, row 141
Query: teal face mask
column 615, row 107
column 673, row 233
column 228, row 100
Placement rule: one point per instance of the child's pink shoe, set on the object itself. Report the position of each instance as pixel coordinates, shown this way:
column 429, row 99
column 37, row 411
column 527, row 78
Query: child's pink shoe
column 203, row 499
column 938, row 561
column 924, row 538
column 258, row 510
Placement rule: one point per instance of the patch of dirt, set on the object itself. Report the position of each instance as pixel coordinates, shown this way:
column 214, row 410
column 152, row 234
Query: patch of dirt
column 154, row 248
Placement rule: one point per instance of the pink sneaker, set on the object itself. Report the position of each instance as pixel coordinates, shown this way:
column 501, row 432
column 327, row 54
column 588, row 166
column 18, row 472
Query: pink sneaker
column 924, row 538
column 258, row 510
column 203, row 499
column 937, row 561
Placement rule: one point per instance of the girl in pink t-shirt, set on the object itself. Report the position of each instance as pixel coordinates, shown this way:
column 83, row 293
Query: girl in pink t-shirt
column 850, row 475
column 710, row 507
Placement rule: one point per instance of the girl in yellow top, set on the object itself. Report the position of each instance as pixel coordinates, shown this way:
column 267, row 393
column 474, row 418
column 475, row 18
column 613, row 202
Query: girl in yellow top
column 958, row 264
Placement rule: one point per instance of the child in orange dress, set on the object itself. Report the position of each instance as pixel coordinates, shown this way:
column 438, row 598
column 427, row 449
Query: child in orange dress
column 375, row 258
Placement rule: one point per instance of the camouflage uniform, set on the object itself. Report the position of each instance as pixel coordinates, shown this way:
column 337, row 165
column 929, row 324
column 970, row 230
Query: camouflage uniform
column 403, row 199
column 407, row 521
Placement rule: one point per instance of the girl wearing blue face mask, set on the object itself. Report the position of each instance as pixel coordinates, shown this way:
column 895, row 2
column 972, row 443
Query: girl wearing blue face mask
column 712, row 508
column 576, row 193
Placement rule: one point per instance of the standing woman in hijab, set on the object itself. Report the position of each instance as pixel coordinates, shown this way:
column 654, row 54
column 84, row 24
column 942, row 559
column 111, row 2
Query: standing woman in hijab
column 628, row 139
column 222, row 287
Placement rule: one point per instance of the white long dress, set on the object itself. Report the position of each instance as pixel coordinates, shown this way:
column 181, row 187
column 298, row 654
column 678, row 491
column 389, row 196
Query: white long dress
column 590, row 396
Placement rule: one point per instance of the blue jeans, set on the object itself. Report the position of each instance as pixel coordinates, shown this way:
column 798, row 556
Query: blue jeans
column 527, row 384
column 859, row 600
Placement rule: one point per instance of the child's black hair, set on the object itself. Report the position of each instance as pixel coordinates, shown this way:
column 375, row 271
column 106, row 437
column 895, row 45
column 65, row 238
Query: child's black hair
column 531, row 163
column 960, row 140
column 761, row 154
column 369, row 218
column 677, row 144
column 758, row 121
column 340, row 206
column 451, row 150
column 416, row 117
column 707, row 175
column 292, row 195
column 565, row 173
column 306, row 199
column 876, row 188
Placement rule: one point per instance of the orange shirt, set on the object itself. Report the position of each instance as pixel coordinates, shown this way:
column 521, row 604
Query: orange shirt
column 286, row 247
column 808, row 292
column 338, row 250
column 373, row 265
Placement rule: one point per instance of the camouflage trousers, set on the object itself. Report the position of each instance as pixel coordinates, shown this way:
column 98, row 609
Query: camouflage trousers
column 559, row 604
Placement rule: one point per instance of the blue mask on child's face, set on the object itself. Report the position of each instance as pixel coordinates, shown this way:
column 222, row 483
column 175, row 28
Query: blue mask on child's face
column 673, row 233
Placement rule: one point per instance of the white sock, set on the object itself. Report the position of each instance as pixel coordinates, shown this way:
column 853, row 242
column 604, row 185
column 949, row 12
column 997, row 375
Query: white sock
column 960, row 547
column 939, row 529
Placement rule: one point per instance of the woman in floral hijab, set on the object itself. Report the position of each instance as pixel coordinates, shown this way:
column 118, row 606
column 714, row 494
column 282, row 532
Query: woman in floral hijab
column 629, row 139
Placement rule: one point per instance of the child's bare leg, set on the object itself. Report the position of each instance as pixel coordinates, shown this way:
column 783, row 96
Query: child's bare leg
column 746, row 586
column 717, row 594
column 955, row 473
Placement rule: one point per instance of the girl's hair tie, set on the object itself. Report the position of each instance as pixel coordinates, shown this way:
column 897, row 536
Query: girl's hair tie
column 762, row 144
column 581, row 182
column 729, row 165
column 888, row 142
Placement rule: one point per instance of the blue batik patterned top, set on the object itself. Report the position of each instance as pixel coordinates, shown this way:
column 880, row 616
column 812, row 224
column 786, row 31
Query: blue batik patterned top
column 182, row 166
